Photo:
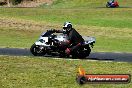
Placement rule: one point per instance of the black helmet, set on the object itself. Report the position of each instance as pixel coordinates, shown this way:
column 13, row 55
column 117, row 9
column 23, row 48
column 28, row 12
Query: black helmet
column 67, row 26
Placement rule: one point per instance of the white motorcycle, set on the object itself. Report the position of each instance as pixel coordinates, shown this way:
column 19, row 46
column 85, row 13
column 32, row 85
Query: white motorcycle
column 49, row 43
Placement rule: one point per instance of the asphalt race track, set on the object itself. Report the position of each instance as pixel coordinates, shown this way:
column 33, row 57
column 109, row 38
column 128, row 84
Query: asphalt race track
column 101, row 56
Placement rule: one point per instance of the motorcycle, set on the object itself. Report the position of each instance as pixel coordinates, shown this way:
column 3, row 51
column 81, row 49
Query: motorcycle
column 112, row 5
column 49, row 44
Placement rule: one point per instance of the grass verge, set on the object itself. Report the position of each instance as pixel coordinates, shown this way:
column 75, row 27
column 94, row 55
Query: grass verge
column 42, row 72
column 84, row 4
column 102, row 17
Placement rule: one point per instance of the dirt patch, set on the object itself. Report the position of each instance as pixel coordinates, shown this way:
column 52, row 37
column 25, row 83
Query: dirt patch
column 34, row 3
column 30, row 3
column 24, row 24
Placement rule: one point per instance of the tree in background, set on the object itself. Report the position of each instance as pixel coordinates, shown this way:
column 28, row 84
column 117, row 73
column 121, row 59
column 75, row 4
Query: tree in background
column 13, row 2
column 9, row 3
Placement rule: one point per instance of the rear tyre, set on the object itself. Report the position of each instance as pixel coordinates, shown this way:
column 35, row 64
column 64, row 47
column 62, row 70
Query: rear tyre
column 117, row 6
column 63, row 55
column 36, row 50
column 81, row 54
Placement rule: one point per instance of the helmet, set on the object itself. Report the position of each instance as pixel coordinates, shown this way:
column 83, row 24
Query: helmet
column 67, row 26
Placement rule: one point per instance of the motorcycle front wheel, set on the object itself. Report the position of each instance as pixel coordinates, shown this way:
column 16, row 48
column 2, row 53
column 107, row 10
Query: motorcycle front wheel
column 37, row 51
column 107, row 5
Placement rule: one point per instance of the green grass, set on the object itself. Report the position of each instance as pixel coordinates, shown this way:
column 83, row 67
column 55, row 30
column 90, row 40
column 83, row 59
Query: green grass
column 17, row 38
column 104, row 17
column 111, row 27
column 42, row 72
column 84, row 3
column 119, row 18
column 110, row 40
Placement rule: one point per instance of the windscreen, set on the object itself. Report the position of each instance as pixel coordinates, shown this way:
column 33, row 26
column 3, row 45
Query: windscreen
column 46, row 34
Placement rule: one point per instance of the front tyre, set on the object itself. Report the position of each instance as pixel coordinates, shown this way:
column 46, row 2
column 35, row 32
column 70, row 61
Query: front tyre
column 36, row 50
column 108, row 6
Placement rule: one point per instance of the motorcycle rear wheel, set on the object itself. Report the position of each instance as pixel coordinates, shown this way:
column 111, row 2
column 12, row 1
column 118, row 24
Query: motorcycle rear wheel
column 81, row 54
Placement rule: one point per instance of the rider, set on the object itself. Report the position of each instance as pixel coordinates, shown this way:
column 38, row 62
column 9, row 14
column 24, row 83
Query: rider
column 74, row 37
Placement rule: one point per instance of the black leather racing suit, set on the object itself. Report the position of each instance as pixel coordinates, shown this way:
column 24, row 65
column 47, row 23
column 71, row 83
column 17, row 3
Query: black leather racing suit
column 74, row 38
